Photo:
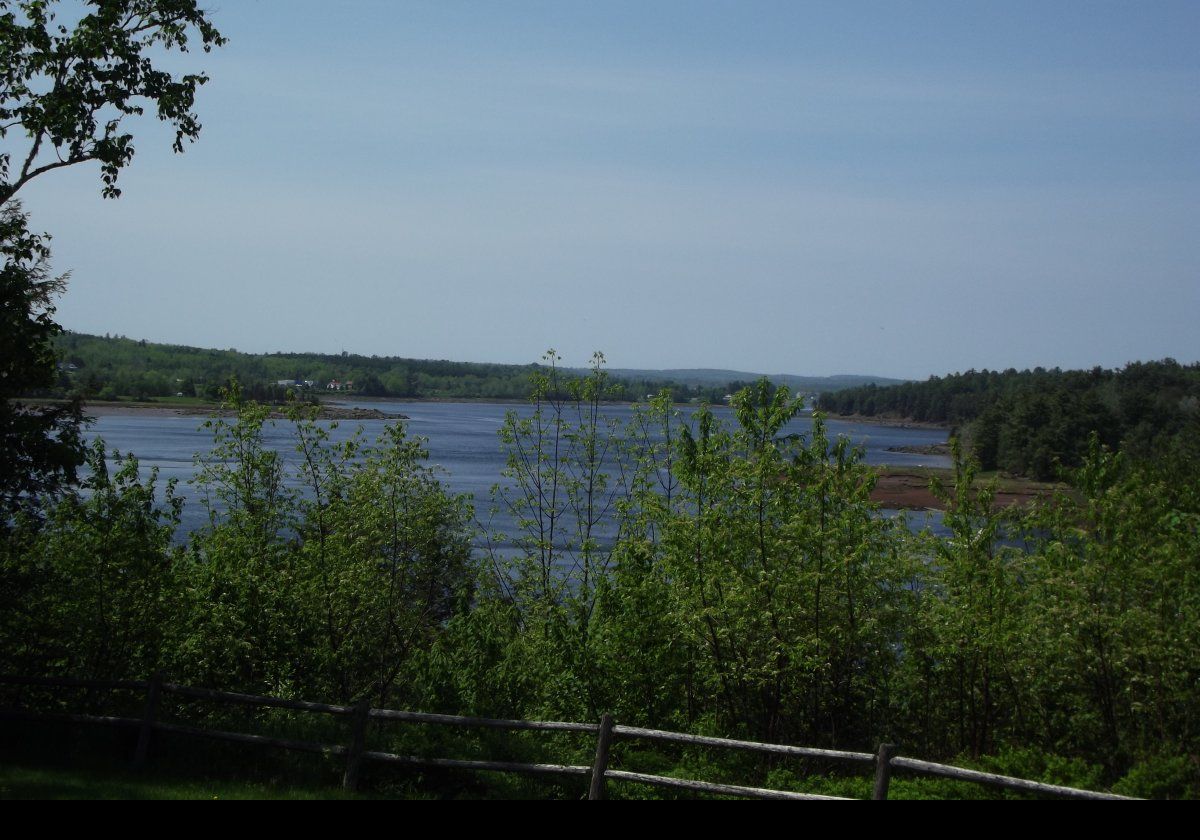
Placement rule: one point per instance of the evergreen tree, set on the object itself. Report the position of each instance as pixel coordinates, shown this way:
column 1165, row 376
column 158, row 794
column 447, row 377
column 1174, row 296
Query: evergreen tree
column 40, row 447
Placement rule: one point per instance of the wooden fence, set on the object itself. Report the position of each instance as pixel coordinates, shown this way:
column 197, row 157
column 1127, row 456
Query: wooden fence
column 885, row 761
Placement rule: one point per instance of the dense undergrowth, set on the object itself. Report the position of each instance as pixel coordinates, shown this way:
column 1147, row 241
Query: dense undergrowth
column 675, row 572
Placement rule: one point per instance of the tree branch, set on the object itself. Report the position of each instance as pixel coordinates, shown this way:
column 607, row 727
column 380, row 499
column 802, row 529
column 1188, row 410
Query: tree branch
column 9, row 192
column 33, row 152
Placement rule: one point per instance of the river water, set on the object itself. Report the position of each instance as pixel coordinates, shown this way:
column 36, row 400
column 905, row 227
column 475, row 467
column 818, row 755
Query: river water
column 462, row 439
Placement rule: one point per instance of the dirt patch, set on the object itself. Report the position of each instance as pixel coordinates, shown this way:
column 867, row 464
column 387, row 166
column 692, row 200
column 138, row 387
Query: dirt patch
column 894, row 422
column 927, row 449
column 910, row 491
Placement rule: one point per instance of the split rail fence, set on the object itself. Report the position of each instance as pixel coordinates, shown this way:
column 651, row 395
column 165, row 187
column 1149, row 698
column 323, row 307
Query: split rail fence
column 885, row 761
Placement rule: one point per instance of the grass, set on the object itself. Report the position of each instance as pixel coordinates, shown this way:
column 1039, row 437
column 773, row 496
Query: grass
column 25, row 782
column 52, row 760
column 57, row 761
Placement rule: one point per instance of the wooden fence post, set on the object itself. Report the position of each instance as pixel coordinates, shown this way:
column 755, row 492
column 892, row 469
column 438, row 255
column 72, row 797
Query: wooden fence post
column 358, row 739
column 883, row 770
column 600, row 767
column 149, row 717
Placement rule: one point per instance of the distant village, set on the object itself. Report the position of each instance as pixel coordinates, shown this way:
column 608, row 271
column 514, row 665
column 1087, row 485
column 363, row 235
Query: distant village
column 312, row 384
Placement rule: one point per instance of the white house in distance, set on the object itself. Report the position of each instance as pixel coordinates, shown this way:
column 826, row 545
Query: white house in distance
column 331, row 385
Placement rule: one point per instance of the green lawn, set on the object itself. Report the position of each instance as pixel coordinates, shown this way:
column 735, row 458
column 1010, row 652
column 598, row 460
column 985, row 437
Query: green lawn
column 22, row 782
column 53, row 761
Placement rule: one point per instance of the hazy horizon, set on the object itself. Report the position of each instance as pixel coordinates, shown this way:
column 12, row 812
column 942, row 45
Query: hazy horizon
column 825, row 189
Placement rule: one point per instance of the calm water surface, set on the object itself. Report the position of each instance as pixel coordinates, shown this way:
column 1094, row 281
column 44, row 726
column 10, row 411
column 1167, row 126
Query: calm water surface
column 462, row 440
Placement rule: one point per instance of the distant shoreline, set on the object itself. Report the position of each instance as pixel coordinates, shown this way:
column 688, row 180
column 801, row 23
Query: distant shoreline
column 112, row 408
column 325, row 412
column 894, row 422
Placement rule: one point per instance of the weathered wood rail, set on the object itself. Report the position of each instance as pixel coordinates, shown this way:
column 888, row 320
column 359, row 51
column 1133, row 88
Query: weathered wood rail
column 884, row 762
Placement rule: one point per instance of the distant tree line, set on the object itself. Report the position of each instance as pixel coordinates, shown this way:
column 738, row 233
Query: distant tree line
column 115, row 367
column 1035, row 422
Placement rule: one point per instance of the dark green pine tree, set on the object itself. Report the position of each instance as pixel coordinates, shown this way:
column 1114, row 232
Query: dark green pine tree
column 40, row 446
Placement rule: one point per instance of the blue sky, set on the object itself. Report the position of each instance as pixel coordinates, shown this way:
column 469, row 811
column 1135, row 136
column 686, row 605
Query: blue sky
column 896, row 188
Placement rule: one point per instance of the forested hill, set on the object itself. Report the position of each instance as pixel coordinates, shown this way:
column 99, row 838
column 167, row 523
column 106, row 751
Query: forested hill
column 721, row 377
column 1030, row 421
column 107, row 367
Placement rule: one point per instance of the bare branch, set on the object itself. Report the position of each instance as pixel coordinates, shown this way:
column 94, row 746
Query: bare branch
column 7, row 192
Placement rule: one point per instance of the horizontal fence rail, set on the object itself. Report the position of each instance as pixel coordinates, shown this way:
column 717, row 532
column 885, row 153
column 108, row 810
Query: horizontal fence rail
column 713, row 787
column 996, row 780
column 99, row 720
column 471, row 764
column 255, row 700
column 730, row 743
column 71, row 682
column 885, row 761
column 247, row 738
column 489, row 723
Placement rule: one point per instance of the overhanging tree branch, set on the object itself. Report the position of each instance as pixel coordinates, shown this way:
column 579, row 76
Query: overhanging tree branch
column 68, row 89
column 98, row 72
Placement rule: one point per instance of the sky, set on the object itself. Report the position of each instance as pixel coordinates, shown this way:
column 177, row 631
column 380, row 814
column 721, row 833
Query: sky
column 898, row 189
